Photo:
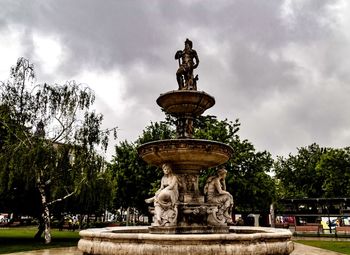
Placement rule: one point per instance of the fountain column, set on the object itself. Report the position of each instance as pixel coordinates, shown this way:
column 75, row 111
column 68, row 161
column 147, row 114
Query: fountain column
column 186, row 155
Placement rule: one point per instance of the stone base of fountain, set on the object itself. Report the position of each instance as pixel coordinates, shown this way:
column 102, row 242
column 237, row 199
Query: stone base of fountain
column 138, row 241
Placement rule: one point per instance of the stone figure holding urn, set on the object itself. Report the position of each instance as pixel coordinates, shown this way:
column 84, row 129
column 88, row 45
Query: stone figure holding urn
column 165, row 208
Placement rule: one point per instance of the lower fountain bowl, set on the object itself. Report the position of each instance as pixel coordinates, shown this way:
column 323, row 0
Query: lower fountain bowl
column 138, row 240
column 186, row 154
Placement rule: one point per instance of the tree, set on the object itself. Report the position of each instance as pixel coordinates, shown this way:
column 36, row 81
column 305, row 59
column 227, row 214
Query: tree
column 135, row 180
column 297, row 174
column 94, row 196
column 314, row 172
column 51, row 138
column 334, row 169
column 248, row 178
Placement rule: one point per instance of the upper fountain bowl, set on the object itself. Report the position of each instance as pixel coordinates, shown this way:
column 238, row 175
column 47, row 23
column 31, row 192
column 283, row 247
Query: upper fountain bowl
column 185, row 102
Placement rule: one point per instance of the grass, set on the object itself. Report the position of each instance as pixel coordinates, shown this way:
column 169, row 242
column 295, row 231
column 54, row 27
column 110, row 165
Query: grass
column 19, row 239
column 337, row 246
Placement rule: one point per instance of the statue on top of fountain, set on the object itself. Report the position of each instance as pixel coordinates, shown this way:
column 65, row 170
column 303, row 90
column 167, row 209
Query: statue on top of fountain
column 165, row 207
column 215, row 191
column 184, row 74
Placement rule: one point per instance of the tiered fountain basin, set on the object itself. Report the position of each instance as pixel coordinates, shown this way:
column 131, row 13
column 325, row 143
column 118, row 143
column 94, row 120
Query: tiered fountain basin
column 186, row 155
column 185, row 102
column 187, row 158
column 138, row 241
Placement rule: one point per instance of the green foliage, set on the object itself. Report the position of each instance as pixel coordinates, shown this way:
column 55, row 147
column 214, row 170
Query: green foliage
column 132, row 176
column 248, row 180
column 135, row 180
column 334, row 168
column 156, row 131
column 95, row 187
column 208, row 127
column 314, row 172
column 49, row 139
column 297, row 174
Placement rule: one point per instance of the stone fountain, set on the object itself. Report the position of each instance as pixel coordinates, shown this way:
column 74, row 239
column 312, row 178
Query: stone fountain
column 187, row 220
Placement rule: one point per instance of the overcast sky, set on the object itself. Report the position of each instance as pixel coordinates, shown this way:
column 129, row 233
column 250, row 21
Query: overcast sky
column 281, row 67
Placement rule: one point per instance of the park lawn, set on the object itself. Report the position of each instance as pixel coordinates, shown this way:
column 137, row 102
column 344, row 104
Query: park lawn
column 18, row 239
column 337, row 246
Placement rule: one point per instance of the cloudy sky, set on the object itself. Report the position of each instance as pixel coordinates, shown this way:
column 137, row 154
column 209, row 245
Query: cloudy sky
column 281, row 67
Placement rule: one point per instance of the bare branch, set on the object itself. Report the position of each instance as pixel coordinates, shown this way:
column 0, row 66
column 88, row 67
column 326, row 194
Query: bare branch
column 66, row 196
column 62, row 198
column 64, row 129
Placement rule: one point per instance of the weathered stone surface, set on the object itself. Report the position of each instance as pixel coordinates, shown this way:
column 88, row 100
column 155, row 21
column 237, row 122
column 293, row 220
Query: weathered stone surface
column 166, row 199
column 134, row 240
column 178, row 102
column 188, row 61
column 185, row 105
column 187, row 156
column 189, row 230
column 215, row 191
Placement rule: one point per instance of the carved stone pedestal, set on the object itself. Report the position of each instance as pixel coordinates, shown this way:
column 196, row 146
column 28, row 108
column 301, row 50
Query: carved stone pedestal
column 194, row 218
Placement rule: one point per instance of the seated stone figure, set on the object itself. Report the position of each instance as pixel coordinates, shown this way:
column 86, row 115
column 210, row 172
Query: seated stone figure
column 215, row 191
column 165, row 208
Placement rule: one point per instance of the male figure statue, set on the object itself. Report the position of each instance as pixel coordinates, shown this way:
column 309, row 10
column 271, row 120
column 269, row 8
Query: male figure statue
column 184, row 74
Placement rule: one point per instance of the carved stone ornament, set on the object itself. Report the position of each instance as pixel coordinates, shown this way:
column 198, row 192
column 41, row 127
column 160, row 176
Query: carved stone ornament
column 188, row 61
column 166, row 198
column 194, row 154
column 215, row 192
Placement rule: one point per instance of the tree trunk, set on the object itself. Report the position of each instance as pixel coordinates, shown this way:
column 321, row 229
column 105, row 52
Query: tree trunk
column 127, row 216
column 272, row 215
column 45, row 216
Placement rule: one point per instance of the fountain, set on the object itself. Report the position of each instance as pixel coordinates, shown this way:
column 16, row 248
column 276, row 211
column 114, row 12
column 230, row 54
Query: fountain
column 187, row 220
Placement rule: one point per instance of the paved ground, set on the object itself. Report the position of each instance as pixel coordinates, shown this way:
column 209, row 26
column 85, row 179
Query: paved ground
column 300, row 249
column 57, row 251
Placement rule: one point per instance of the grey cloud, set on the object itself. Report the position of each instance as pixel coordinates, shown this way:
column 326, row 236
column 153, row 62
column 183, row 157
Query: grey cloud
column 139, row 39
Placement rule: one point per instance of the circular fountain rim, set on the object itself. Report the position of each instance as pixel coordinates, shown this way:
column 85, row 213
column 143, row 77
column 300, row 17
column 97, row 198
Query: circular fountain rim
column 134, row 240
column 186, row 97
column 181, row 140
column 142, row 232
column 184, row 92
column 181, row 152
